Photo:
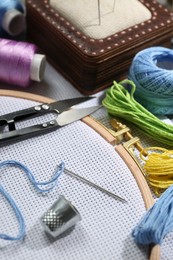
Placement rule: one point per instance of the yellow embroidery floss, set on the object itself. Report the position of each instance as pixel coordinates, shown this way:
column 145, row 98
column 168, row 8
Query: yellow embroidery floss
column 158, row 165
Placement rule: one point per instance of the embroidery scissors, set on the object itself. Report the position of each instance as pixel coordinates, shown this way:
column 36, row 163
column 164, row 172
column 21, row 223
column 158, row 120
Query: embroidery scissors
column 66, row 115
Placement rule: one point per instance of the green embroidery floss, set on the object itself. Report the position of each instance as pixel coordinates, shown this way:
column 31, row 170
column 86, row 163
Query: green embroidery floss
column 120, row 102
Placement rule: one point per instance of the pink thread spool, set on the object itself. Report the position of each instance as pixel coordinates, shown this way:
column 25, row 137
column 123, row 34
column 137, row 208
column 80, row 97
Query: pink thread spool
column 20, row 63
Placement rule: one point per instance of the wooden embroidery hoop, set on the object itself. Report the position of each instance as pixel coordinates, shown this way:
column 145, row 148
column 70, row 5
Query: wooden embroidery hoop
column 130, row 162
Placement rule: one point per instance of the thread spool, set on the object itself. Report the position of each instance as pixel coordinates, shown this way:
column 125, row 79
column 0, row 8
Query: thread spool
column 151, row 71
column 20, row 63
column 12, row 18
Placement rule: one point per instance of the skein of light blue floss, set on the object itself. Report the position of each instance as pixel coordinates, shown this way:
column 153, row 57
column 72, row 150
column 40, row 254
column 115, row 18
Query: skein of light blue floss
column 152, row 72
column 157, row 222
column 12, row 18
column 52, row 182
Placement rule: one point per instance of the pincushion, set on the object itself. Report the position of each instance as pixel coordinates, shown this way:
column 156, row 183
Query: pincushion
column 89, row 54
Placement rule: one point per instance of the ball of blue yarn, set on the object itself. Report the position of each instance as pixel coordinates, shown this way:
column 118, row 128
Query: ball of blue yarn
column 152, row 72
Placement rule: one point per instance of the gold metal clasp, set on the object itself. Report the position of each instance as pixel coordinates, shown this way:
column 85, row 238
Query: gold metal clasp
column 131, row 141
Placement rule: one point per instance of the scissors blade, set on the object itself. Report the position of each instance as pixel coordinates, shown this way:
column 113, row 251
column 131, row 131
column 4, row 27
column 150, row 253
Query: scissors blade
column 57, row 106
column 72, row 115
column 67, row 118
column 65, row 104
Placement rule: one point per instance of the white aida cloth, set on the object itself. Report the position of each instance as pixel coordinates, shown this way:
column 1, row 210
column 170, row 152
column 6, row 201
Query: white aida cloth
column 105, row 229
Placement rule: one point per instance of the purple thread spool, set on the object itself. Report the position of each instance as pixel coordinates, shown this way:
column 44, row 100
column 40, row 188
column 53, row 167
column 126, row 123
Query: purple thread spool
column 20, row 63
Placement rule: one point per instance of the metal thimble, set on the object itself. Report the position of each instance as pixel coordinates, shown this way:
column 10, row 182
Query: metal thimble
column 61, row 216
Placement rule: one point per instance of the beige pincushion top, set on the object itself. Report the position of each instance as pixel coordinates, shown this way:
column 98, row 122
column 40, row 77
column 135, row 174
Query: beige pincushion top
column 116, row 15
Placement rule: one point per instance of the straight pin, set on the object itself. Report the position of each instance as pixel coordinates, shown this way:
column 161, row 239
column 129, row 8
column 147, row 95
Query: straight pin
column 114, row 6
column 99, row 10
column 72, row 174
column 99, row 13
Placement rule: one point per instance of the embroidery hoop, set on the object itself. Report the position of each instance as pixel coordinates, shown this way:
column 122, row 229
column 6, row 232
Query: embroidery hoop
column 130, row 162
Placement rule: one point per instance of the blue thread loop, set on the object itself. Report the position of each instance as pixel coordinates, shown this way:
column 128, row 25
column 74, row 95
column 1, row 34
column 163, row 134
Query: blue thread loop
column 157, row 222
column 36, row 184
column 52, row 182
column 18, row 214
column 152, row 72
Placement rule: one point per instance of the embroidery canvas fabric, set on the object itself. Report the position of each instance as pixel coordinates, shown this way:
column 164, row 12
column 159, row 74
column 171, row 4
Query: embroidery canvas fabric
column 106, row 226
column 88, row 155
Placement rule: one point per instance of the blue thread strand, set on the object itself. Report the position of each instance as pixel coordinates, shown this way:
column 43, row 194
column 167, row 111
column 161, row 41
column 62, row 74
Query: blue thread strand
column 152, row 72
column 157, row 222
column 36, row 184
column 19, row 216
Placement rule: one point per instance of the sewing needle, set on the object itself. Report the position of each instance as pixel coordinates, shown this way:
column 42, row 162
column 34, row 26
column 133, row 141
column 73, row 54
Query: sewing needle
column 72, row 174
column 99, row 11
column 114, row 6
column 99, row 15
